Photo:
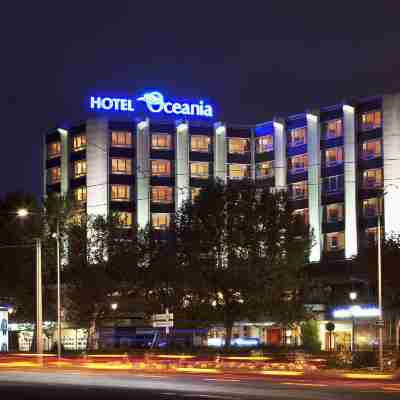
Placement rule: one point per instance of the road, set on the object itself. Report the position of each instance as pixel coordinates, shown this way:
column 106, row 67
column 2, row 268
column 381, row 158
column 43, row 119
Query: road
column 75, row 385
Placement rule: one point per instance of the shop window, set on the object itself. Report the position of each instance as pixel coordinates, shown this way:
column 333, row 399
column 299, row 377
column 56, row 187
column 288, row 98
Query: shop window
column 79, row 168
column 160, row 221
column 161, row 168
column 121, row 139
column 122, row 166
column 124, row 218
column 120, row 192
column 161, row 141
column 264, row 170
column 371, row 207
column 53, row 150
column 302, row 214
column 299, row 190
column 333, row 184
column 79, row 142
column 199, row 170
column 200, row 143
column 195, row 192
column 238, row 145
column 298, row 164
column 334, row 213
column 334, row 241
column 80, row 194
column 372, row 178
column 371, row 120
column 238, row 171
column 161, row 194
column 54, row 175
column 265, row 144
column 333, row 129
column 334, row 156
column 371, row 149
column 297, row 137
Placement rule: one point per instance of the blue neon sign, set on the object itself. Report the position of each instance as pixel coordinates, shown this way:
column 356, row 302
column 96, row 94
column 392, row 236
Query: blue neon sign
column 155, row 102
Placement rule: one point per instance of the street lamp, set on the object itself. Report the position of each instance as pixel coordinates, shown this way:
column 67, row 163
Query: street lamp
column 353, row 297
column 114, row 306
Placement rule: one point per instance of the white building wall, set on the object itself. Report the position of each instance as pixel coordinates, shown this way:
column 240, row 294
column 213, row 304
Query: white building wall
column 65, row 168
column 182, row 175
column 220, row 152
column 280, row 167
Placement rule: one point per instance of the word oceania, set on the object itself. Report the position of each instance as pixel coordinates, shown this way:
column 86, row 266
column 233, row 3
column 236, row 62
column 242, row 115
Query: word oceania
column 155, row 103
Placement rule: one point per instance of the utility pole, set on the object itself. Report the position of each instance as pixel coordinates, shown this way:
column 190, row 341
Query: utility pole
column 380, row 327
column 39, row 297
column 58, row 292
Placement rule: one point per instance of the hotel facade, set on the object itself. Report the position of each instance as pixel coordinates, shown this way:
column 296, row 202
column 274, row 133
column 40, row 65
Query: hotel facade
column 340, row 165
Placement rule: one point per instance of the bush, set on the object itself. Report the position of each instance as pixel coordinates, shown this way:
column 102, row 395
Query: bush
column 310, row 336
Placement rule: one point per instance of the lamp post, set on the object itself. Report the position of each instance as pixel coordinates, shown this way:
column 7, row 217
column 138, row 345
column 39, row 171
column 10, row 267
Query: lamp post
column 380, row 326
column 353, row 297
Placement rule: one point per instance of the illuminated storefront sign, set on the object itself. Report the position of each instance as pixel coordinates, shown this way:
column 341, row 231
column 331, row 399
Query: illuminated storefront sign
column 155, row 102
column 357, row 312
column 3, row 330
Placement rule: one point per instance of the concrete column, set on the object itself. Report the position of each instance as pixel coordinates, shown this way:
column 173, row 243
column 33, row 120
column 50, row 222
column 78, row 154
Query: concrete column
column 314, row 184
column 143, row 174
column 97, row 167
column 391, row 162
column 350, row 182
column 280, row 163
column 220, row 152
column 182, row 173
column 65, row 168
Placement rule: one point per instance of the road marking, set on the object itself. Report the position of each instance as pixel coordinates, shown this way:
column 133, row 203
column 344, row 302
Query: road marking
column 221, row 380
column 303, row 384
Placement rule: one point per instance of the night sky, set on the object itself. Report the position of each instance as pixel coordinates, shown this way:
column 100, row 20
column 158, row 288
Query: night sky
column 254, row 59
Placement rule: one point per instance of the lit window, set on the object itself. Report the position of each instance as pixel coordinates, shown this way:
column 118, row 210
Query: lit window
column 79, row 168
column 199, row 170
column 371, row 207
column 333, row 184
column 161, row 194
column 54, row 175
column 121, row 166
column 80, row 194
column 238, row 171
column 195, row 192
column 298, row 164
column 334, row 156
column 333, row 129
column 298, row 137
column 160, row 167
column 124, row 218
column 160, row 141
column 334, row 213
column 302, row 214
column 334, row 241
column 264, row 170
column 372, row 178
column 371, row 120
column 238, row 145
column 120, row 192
column 200, row 143
column 371, row 149
column 371, row 235
column 53, row 149
column 78, row 217
column 265, row 144
column 160, row 221
column 121, row 139
column 79, row 142
column 299, row 190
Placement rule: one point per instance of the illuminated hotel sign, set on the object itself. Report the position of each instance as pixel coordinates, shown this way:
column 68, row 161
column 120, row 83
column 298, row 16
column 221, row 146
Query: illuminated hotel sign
column 357, row 312
column 155, row 102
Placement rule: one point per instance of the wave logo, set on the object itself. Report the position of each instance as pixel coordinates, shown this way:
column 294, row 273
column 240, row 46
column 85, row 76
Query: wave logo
column 156, row 103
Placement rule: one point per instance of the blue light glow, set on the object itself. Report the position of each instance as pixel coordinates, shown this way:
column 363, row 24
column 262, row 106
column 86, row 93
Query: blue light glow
column 356, row 311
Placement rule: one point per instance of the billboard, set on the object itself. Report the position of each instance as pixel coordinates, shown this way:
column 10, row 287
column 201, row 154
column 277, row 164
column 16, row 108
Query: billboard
column 3, row 330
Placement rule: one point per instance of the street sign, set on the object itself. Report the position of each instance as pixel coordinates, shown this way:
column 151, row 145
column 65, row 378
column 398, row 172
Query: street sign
column 163, row 317
column 380, row 323
column 163, row 324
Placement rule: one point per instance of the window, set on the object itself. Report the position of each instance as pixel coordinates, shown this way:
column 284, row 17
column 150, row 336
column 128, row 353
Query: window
column 298, row 164
column 80, row 194
column 79, row 143
column 299, row 190
column 264, row 170
column 124, row 218
column 334, row 213
column 297, row 137
column 121, row 139
column 199, row 170
column 334, row 241
column 371, row 235
column 160, row 220
column 371, row 149
column 161, row 168
column 79, row 168
column 372, row 178
column 371, row 120
column 333, row 184
column 53, row 149
column 161, row 194
column 200, row 143
column 238, row 145
column 371, row 207
column 195, row 192
column 160, row 141
column 122, row 166
column 54, row 175
column 302, row 214
column 333, row 129
column 334, row 156
column 265, row 144
column 120, row 192
column 238, row 171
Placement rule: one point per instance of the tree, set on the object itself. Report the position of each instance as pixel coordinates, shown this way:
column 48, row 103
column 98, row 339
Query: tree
column 310, row 336
column 242, row 251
